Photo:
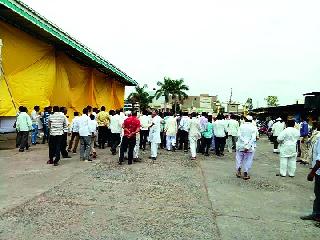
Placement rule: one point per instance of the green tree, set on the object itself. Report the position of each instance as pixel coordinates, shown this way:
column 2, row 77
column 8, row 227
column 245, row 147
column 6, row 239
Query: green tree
column 141, row 96
column 249, row 104
column 174, row 88
column 272, row 101
column 178, row 92
column 165, row 88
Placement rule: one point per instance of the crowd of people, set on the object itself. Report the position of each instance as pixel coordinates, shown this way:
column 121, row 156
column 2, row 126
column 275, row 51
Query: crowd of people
column 129, row 132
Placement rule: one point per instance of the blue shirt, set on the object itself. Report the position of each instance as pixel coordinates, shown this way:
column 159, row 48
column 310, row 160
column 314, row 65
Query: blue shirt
column 304, row 129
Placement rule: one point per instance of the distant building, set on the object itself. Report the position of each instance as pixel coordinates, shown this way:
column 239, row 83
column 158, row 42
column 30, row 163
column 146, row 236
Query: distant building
column 202, row 103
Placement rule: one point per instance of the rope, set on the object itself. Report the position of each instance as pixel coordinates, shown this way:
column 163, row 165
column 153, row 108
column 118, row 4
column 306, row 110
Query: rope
column 6, row 81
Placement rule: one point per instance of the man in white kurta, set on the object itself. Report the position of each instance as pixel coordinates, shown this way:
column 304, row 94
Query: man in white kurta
column 288, row 149
column 277, row 128
column 232, row 130
column 245, row 147
column 171, row 129
column 194, row 135
column 154, row 134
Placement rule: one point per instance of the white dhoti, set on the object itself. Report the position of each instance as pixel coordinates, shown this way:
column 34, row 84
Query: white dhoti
column 244, row 160
column 136, row 147
column 193, row 146
column 288, row 164
column 171, row 142
column 154, row 149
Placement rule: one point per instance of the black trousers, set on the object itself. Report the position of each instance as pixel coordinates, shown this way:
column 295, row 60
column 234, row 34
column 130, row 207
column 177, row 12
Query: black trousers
column 143, row 138
column 109, row 139
column 201, row 145
column 220, row 142
column 127, row 144
column 275, row 142
column 316, row 203
column 163, row 140
column 55, row 147
column 24, row 140
column 184, row 140
column 115, row 141
column 207, row 145
column 102, row 135
column 18, row 139
column 63, row 146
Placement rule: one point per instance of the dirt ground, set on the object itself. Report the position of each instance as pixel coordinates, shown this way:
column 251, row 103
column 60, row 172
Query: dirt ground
column 175, row 198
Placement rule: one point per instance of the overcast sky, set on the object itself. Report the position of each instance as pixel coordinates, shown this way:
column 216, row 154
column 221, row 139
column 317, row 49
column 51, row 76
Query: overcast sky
column 256, row 47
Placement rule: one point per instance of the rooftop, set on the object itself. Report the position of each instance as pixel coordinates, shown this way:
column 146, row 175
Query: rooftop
column 23, row 17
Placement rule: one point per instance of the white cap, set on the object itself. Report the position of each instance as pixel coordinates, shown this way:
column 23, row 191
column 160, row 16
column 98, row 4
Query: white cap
column 278, row 119
column 249, row 118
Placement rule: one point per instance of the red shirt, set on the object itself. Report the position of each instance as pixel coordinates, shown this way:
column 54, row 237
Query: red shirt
column 130, row 125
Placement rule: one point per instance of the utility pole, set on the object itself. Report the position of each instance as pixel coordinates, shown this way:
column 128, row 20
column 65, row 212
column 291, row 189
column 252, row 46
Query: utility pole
column 230, row 100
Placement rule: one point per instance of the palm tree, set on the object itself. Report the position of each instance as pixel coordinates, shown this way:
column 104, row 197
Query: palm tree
column 164, row 90
column 178, row 92
column 141, row 96
column 174, row 88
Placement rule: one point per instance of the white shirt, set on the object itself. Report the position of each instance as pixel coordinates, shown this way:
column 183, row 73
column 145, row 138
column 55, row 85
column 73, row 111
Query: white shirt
column 35, row 117
column 233, row 127
column 93, row 126
column 316, row 152
column 154, row 135
column 194, row 128
column 75, row 124
column 184, row 123
column 84, row 125
column 171, row 126
column 277, row 128
column 247, row 135
column 219, row 128
column 115, row 124
column 145, row 122
column 288, row 142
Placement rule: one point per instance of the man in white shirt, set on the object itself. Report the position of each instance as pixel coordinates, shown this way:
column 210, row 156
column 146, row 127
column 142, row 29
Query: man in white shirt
column 232, row 130
column 315, row 175
column 277, row 128
column 171, row 129
column 184, row 131
column 145, row 122
column 154, row 134
column 116, row 129
column 288, row 149
column 64, row 152
column 74, row 141
column 35, row 116
column 93, row 126
column 247, row 135
column 220, row 129
column 57, row 123
column 194, row 134
column 85, row 136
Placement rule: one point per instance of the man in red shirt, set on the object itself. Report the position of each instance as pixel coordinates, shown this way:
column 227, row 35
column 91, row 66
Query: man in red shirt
column 131, row 127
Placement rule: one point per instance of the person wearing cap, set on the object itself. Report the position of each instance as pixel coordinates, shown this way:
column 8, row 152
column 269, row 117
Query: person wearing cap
column 194, row 135
column 245, row 147
column 154, row 134
column 288, row 149
column 277, row 128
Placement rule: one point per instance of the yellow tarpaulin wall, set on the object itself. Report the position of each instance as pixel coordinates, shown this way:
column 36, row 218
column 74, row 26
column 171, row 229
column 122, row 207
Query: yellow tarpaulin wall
column 37, row 74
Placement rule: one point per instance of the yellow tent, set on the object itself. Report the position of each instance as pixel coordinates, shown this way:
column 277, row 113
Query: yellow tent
column 36, row 72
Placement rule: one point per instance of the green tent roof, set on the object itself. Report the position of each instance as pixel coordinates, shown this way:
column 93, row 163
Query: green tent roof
column 20, row 15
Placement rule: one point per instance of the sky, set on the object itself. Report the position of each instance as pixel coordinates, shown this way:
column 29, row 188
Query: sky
column 257, row 48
